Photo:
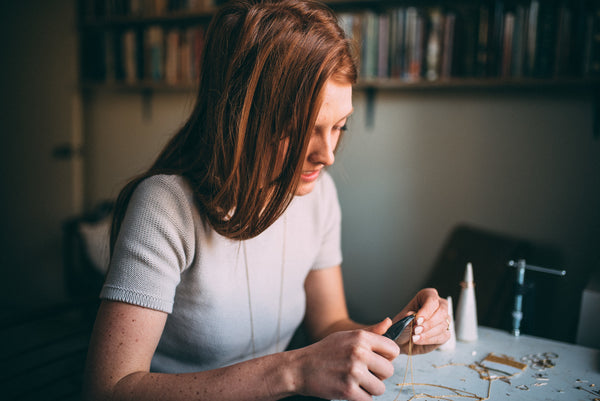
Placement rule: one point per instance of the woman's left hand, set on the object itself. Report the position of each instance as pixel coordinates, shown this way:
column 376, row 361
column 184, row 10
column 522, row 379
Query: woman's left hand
column 431, row 325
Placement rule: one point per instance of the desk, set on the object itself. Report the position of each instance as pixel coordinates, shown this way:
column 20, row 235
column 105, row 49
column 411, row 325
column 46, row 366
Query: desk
column 575, row 366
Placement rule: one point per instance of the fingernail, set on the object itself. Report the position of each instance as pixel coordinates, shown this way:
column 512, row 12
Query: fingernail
column 418, row 329
column 416, row 338
column 420, row 320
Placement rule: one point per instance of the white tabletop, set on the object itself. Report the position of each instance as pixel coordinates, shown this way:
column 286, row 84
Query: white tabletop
column 575, row 376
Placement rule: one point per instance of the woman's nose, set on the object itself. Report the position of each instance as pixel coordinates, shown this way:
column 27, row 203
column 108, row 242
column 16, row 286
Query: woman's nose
column 321, row 149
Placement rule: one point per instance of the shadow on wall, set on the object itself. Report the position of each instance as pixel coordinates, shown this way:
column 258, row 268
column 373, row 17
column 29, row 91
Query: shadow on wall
column 86, row 251
column 550, row 303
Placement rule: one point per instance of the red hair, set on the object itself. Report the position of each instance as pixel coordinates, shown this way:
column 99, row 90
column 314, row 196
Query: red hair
column 263, row 71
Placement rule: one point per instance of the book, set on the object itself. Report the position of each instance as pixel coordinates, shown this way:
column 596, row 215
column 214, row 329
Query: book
column 397, row 43
column 370, row 44
column 592, row 39
column 519, row 40
column 447, row 67
column 413, row 44
column 506, row 38
column 154, row 53
column 546, row 37
column 346, row 21
column 562, row 58
column 481, row 63
column 531, row 47
column 172, row 58
column 161, row 7
column 198, row 42
column 93, row 56
column 383, row 48
column 465, row 47
column 185, row 56
column 110, row 59
column 434, row 45
column 419, row 48
column 352, row 24
column 130, row 56
column 496, row 40
column 507, row 45
column 136, row 8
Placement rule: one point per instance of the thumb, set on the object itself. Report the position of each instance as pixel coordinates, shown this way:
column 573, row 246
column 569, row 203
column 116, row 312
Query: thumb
column 381, row 327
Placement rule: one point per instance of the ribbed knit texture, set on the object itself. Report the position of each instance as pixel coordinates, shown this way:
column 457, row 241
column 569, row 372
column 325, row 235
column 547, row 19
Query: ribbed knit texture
column 167, row 258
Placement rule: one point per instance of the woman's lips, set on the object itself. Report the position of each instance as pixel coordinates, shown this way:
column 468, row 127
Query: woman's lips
column 310, row 175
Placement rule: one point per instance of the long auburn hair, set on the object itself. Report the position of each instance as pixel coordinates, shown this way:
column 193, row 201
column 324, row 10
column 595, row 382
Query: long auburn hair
column 262, row 74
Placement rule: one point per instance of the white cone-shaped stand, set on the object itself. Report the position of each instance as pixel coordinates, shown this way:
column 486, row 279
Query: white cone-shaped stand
column 450, row 345
column 466, row 310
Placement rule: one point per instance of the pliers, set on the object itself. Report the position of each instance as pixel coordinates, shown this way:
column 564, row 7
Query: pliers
column 396, row 329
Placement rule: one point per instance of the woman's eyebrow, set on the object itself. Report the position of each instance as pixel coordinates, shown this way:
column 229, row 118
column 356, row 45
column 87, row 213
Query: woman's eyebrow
column 318, row 125
column 347, row 115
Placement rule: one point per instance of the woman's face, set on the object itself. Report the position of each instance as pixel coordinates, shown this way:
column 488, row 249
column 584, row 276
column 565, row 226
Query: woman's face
column 331, row 121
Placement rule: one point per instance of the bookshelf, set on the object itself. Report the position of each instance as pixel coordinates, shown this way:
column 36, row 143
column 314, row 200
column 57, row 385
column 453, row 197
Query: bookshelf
column 154, row 44
column 514, row 45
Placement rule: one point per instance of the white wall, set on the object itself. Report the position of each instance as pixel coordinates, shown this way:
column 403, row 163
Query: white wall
column 522, row 164
column 519, row 164
column 124, row 133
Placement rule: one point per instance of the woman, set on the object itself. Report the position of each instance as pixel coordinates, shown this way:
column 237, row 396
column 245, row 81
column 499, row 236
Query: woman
column 232, row 238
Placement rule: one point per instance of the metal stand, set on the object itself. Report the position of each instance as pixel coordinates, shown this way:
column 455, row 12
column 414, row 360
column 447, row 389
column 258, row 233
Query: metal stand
column 521, row 266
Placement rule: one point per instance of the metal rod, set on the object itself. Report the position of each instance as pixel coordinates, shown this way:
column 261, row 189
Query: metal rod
column 517, row 313
column 512, row 263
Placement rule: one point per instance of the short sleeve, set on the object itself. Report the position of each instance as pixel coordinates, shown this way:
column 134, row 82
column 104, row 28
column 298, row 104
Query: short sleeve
column 154, row 246
column 330, row 221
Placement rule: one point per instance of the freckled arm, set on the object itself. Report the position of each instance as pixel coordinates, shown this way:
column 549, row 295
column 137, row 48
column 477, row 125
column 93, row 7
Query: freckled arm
column 123, row 342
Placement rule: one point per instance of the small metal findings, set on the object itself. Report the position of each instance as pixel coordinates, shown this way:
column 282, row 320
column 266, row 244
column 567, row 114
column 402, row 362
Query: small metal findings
column 540, row 361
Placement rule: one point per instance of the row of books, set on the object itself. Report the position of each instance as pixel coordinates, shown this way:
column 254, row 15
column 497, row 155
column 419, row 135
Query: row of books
column 532, row 38
column 154, row 54
column 529, row 38
column 95, row 9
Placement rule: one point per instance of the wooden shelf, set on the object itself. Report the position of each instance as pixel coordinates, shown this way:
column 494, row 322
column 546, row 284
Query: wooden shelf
column 515, row 84
column 145, row 86
column 173, row 18
column 454, row 84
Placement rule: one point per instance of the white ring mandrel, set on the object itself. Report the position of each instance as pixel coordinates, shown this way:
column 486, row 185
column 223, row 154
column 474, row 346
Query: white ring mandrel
column 466, row 311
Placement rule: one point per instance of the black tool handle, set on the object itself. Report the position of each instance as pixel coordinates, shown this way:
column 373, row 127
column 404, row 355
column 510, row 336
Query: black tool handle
column 394, row 331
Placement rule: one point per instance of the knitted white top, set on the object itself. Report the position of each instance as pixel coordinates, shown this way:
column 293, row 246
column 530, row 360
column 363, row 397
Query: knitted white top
column 167, row 258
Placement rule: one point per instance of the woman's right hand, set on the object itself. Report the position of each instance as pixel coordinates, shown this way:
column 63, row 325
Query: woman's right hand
column 349, row 365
